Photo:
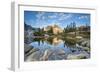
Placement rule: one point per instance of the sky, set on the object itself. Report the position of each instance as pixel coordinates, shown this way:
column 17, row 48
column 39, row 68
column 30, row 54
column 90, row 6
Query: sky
column 42, row 19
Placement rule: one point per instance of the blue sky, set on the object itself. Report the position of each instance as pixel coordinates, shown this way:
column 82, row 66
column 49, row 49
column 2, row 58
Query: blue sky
column 43, row 19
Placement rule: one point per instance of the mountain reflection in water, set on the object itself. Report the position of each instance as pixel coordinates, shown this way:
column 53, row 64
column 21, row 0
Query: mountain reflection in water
column 53, row 43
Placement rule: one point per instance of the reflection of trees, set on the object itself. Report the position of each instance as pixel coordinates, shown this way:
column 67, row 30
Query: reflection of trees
column 39, row 40
column 50, row 40
column 69, row 43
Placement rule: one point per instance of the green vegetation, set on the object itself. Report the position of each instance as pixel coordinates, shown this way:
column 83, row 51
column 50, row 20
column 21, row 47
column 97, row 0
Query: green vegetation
column 70, row 28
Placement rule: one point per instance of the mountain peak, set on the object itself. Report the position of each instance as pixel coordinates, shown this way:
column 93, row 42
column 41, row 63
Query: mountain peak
column 55, row 28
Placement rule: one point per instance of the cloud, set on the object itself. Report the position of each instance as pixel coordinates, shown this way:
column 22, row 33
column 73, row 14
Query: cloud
column 52, row 16
column 40, row 15
column 44, row 18
column 83, row 17
column 40, row 20
column 64, row 16
column 59, row 16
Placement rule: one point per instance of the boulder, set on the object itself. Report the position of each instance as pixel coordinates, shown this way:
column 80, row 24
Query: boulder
column 27, row 48
column 47, row 54
column 35, row 56
column 88, row 44
column 60, row 52
column 84, row 43
column 82, row 47
column 77, row 56
column 32, row 51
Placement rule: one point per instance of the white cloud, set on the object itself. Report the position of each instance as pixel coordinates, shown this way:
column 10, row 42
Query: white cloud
column 52, row 16
column 60, row 16
column 83, row 17
column 40, row 15
column 40, row 19
column 64, row 16
column 43, row 17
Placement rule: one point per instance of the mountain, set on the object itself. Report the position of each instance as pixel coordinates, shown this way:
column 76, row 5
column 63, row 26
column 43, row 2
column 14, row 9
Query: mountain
column 27, row 27
column 54, row 28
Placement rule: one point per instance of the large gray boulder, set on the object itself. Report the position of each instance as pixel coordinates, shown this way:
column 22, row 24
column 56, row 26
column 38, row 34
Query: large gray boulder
column 27, row 48
column 47, row 54
column 35, row 56
column 77, row 56
column 60, row 52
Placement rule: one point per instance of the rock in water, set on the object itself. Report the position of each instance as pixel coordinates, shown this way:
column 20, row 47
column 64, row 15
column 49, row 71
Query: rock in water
column 27, row 48
column 46, row 54
column 77, row 56
column 32, row 51
column 84, row 48
column 60, row 52
column 88, row 44
column 35, row 56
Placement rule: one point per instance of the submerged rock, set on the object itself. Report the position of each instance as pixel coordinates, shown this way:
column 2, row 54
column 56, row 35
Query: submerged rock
column 88, row 44
column 84, row 48
column 60, row 52
column 77, row 56
column 47, row 54
column 84, row 42
column 32, row 51
column 35, row 56
column 27, row 48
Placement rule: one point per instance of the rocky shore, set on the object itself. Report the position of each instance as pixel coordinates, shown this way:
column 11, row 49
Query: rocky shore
column 35, row 54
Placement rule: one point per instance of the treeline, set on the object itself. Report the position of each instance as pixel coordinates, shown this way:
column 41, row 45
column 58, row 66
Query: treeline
column 70, row 28
column 73, row 28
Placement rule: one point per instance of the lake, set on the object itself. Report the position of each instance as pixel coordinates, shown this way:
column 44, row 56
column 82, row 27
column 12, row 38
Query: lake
column 55, row 48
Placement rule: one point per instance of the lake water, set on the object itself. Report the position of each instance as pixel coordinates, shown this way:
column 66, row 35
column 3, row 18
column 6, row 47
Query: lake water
column 57, row 45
